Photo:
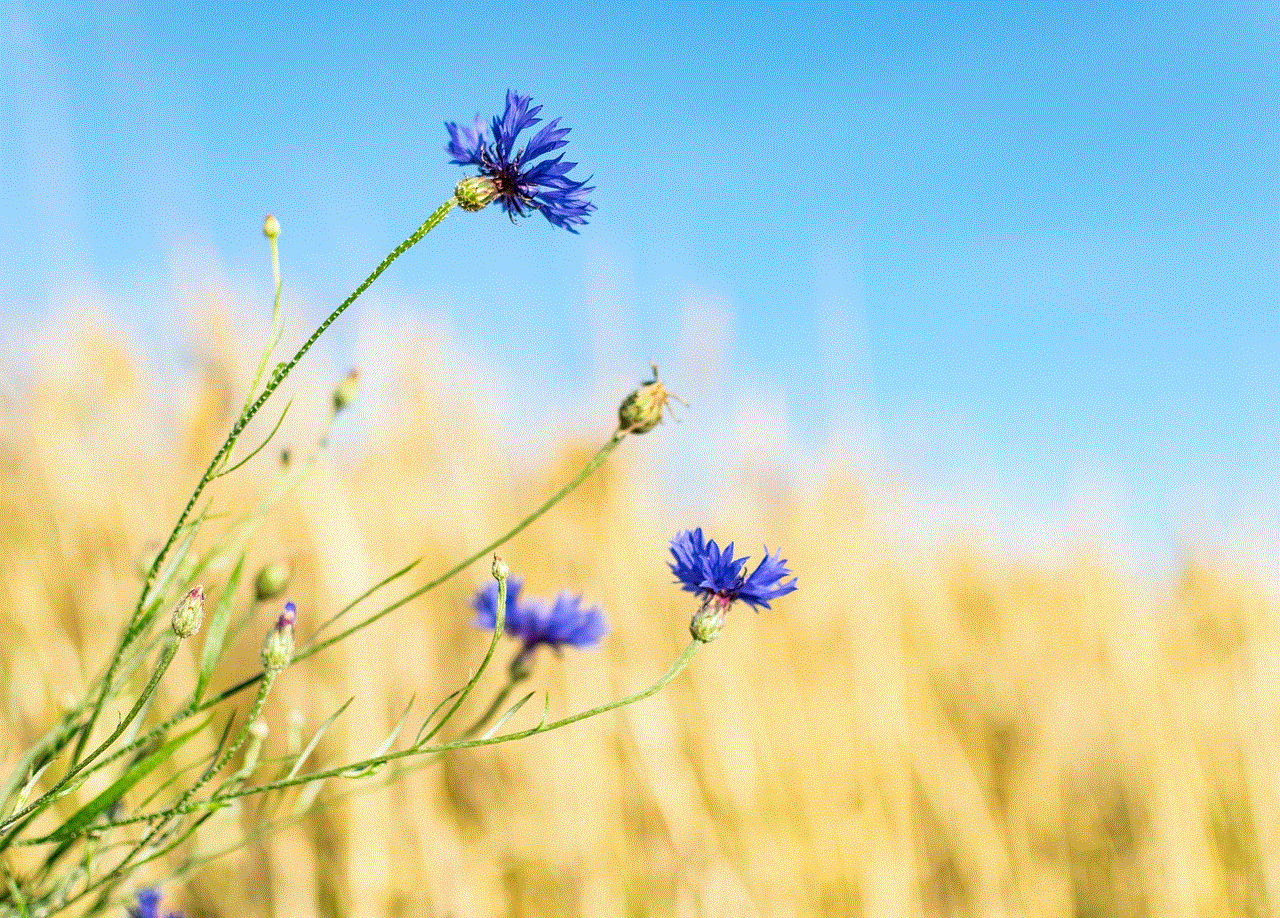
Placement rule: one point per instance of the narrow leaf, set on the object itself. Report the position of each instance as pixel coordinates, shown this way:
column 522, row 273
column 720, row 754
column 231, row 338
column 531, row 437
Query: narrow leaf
column 270, row 436
column 212, row 651
column 384, row 748
column 85, row 816
column 302, row 756
column 507, row 716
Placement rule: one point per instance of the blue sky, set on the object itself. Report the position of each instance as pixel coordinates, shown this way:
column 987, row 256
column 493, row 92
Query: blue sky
column 1020, row 255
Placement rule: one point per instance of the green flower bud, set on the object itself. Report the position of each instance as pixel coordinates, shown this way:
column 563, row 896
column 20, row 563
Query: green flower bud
column 188, row 615
column 345, row 392
column 499, row 568
column 271, row 581
column 642, row 410
column 270, row 227
column 475, row 193
column 277, row 649
column 709, row 620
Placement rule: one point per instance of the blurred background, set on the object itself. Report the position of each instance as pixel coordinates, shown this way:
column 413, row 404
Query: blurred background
column 976, row 307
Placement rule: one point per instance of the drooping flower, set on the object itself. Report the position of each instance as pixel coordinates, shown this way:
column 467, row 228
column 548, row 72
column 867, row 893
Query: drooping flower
column 563, row 622
column 148, row 905
column 511, row 176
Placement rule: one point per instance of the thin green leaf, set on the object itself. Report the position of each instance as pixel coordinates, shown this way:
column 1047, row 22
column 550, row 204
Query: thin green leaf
column 385, row 747
column 418, row 740
column 359, row 599
column 324, row 727
column 307, row 797
column 212, row 651
column 508, row 715
column 261, row 446
column 156, row 593
column 85, row 816
column 30, row 785
column 43, row 751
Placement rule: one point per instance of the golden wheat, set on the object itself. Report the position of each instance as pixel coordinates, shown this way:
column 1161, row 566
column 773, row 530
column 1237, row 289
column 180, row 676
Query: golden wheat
column 928, row 733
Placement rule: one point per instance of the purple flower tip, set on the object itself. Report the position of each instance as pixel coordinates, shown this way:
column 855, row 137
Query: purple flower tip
column 563, row 622
column 523, row 185
column 702, row 567
column 288, row 617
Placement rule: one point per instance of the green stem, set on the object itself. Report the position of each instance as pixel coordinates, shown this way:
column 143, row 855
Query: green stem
column 413, row 751
column 310, row 649
column 221, row 763
column 494, row 706
column 275, row 322
column 277, row 377
column 499, row 622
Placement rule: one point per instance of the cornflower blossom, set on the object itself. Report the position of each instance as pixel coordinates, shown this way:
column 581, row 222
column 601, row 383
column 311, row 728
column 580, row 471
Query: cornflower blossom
column 148, row 906
column 703, row 568
column 563, row 622
column 510, row 176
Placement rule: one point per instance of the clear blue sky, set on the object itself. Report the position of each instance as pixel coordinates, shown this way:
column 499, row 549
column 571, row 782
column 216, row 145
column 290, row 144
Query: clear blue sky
column 1005, row 250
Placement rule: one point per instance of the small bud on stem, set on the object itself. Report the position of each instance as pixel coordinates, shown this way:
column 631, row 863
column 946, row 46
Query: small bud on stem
column 643, row 409
column 277, row 649
column 188, row 615
column 271, row 581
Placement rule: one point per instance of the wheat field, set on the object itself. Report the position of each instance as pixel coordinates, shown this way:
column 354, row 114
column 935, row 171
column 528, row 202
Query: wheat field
column 914, row 732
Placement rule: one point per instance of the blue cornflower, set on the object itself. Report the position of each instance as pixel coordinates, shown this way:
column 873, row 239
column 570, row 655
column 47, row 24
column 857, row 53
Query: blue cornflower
column 518, row 183
column 563, row 622
column 148, row 905
column 702, row 567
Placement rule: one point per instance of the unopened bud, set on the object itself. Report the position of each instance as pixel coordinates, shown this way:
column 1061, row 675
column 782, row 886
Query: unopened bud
column 475, row 193
column 708, row 620
column 499, row 568
column 188, row 615
column 270, row 227
column 277, row 649
column 642, row 410
column 345, row 392
column 271, row 581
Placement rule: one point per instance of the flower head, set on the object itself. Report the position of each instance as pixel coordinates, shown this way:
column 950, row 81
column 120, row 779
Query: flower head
column 702, row 567
column 148, row 905
column 559, row 623
column 518, row 183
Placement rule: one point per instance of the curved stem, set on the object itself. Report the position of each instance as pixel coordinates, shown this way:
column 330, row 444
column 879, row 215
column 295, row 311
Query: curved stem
column 494, row 706
column 499, row 622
